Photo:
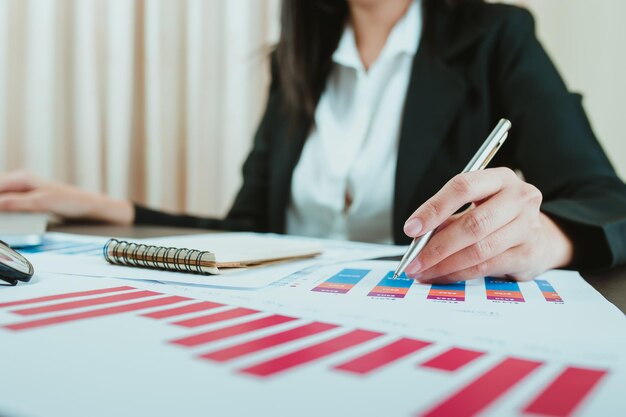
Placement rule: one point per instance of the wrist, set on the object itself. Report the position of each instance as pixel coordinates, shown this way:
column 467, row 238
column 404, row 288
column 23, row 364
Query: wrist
column 560, row 246
column 112, row 210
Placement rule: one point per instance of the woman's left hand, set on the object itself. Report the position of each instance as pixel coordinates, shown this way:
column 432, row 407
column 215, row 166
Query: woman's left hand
column 503, row 234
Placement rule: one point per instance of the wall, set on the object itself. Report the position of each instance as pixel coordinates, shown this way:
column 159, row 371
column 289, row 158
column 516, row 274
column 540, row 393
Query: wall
column 587, row 41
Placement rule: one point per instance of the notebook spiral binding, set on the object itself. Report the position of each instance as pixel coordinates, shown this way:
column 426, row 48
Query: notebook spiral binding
column 119, row 252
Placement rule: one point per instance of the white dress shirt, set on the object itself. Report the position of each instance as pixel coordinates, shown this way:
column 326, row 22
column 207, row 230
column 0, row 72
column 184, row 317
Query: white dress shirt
column 343, row 184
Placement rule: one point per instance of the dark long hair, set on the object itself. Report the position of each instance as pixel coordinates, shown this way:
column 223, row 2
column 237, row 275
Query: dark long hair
column 310, row 33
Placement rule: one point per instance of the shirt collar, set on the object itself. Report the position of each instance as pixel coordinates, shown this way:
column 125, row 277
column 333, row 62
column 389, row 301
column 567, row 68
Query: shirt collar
column 403, row 38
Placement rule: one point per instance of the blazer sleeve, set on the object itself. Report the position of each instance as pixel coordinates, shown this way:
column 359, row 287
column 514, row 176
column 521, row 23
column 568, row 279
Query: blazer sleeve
column 555, row 148
column 249, row 211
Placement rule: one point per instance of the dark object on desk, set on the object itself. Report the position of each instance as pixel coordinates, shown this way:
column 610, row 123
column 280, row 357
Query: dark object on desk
column 13, row 266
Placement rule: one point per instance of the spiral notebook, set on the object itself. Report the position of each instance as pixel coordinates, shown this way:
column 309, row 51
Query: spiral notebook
column 228, row 253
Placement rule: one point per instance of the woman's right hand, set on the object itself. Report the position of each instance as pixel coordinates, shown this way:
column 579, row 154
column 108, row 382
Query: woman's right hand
column 21, row 191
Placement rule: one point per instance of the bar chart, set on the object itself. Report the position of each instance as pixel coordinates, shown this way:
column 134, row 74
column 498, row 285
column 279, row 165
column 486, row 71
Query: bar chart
column 451, row 292
column 390, row 287
column 378, row 285
column 342, row 282
column 364, row 352
column 548, row 291
column 452, row 359
column 503, row 290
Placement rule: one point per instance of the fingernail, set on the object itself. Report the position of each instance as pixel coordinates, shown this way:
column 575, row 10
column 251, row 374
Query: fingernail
column 412, row 227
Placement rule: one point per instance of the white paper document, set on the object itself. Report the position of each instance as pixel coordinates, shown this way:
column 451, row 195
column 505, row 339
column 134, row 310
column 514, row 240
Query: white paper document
column 79, row 255
column 333, row 340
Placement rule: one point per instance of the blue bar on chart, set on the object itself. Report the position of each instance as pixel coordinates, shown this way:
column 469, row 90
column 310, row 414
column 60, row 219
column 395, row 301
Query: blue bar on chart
column 548, row 291
column 64, row 247
column 49, row 246
column 391, row 287
column 448, row 292
column 342, row 282
column 503, row 290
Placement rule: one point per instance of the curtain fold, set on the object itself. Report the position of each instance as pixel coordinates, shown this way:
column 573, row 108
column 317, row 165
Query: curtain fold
column 152, row 100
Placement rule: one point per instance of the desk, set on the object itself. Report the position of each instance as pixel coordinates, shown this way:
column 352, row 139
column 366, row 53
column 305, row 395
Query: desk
column 611, row 284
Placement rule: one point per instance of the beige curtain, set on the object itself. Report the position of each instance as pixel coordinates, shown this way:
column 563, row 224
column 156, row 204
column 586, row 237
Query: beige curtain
column 154, row 100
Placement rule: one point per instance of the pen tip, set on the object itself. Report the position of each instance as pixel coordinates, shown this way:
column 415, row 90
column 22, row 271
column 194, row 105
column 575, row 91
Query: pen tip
column 395, row 275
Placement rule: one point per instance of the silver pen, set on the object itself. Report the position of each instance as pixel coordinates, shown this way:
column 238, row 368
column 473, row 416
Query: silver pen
column 480, row 160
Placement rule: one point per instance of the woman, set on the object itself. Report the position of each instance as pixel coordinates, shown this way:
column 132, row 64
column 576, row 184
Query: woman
column 374, row 106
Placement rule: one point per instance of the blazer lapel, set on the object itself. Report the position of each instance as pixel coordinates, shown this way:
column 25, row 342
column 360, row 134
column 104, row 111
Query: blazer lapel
column 434, row 96
column 284, row 160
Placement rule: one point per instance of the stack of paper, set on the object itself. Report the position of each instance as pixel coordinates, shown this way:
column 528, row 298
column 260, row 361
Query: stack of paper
column 69, row 254
column 339, row 339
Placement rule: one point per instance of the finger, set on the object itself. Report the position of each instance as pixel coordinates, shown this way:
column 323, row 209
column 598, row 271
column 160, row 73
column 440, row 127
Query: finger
column 411, row 268
column 508, row 236
column 469, row 229
column 16, row 181
column 448, row 279
column 460, row 190
column 449, row 221
column 512, row 263
column 19, row 202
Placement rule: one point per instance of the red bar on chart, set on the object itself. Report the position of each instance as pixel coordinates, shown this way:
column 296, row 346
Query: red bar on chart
column 452, row 359
column 235, row 330
column 548, row 291
column 342, row 282
column 487, row 388
column 566, row 392
column 64, row 296
column 70, row 305
column 390, row 287
column 216, row 317
column 311, row 353
column 503, row 290
column 178, row 311
column 157, row 302
column 383, row 356
column 267, row 342
column 449, row 292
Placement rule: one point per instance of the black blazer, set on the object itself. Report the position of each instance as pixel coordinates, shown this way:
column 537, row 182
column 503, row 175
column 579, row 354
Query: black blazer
column 487, row 64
